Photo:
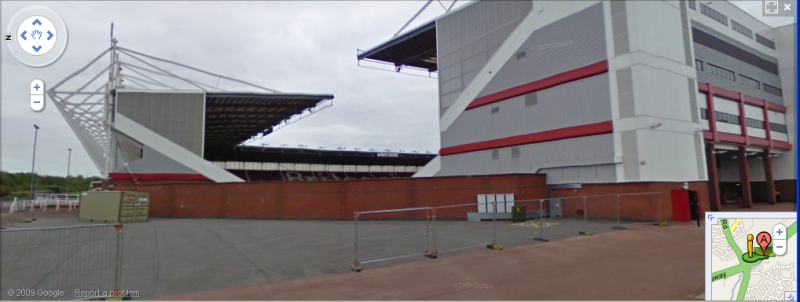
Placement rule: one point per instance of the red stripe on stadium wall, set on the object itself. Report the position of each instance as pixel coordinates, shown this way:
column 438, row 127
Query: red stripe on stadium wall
column 562, row 78
column 533, row 138
column 156, row 176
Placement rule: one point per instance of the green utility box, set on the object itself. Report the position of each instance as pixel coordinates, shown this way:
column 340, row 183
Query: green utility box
column 518, row 214
column 114, row 206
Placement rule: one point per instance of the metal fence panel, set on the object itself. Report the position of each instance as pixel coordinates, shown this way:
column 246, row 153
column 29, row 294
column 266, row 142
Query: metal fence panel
column 392, row 234
column 56, row 263
column 453, row 234
column 639, row 209
column 564, row 217
column 601, row 213
column 524, row 231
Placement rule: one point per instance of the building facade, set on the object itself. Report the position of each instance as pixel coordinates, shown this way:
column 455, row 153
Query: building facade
column 619, row 92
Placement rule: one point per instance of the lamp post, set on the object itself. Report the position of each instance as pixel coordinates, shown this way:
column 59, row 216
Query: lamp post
column 66, row 187
column 33, row 166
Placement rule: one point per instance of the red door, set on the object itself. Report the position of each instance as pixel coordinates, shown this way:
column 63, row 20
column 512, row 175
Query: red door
column 680, row 206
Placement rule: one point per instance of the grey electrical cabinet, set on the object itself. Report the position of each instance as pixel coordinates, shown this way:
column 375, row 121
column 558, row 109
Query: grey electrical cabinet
column 114, row 206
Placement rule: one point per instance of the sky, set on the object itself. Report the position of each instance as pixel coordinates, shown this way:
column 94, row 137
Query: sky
column 291, row 46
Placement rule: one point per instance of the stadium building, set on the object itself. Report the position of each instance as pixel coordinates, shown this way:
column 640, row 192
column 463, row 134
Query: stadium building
column 612, row 94
column 154, row 124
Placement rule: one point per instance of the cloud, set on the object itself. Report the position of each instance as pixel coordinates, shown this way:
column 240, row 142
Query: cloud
column 291, row 46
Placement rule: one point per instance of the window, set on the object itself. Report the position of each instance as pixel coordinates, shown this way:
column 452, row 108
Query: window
column 742, row 29
column 692, row 5
column 698, row 65
column 531, row 99
column 495, row 154
column 750, row 82
column 727, row 118
column 711, row 13
column 777, row 128
column 721, row 72
column 764, row 41
column 715, row 43
column 521, row 55
column 704, row 113
column 514, row 152
column 753, row 123
column 773, row 90
column 495, row 110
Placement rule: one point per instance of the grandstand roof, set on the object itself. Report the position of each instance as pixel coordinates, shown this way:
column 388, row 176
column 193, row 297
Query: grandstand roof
column 232, row 118
column 415, row 48
column 314, row 156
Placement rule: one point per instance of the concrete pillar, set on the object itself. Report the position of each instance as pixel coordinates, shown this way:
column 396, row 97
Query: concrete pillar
column 713, row 179
column 768, row 176
column 744, row 175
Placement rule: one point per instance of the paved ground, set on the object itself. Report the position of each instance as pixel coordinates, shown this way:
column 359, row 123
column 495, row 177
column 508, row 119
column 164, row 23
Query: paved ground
column 647, row 263
column 762, row 207
column 165, row 257
column 177, row 256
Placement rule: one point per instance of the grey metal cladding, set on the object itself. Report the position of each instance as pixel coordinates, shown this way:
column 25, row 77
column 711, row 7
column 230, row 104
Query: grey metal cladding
column 627, row 107
column 582, row 102
column 728, row 41
column 155, row 162
column 573, row 42
column 693, row 100
column 468, row 38
column 583, row 151
column 630, row 155
column 740, row 54
column 710, row 56
column 128, row 151
column 619, row 28
column 686, row 28
column 582, row 174
column 699, row 150
column 177, row 116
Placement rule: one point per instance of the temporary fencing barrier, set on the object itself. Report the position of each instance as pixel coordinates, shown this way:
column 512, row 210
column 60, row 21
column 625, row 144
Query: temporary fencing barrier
column 430, row 231
column 392, row 234
column 74, row 262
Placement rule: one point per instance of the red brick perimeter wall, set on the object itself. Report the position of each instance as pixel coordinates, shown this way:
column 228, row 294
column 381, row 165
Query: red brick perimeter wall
column 788, row 189
column 634, row 206
column 335, row 199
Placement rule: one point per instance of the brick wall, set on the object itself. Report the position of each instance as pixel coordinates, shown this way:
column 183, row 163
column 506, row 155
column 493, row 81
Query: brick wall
column 635, row 206
column 788, row 189
column 336, row 199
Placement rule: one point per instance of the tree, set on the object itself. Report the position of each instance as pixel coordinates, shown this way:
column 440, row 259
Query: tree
column 18, row 184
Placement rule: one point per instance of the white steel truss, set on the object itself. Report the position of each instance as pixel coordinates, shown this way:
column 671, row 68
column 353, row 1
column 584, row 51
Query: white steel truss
column 89, row 111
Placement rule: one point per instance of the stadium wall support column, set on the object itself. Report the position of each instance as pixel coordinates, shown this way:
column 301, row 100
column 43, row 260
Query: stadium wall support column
column 768, row 176
column 744, row 176
column 713, row 179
